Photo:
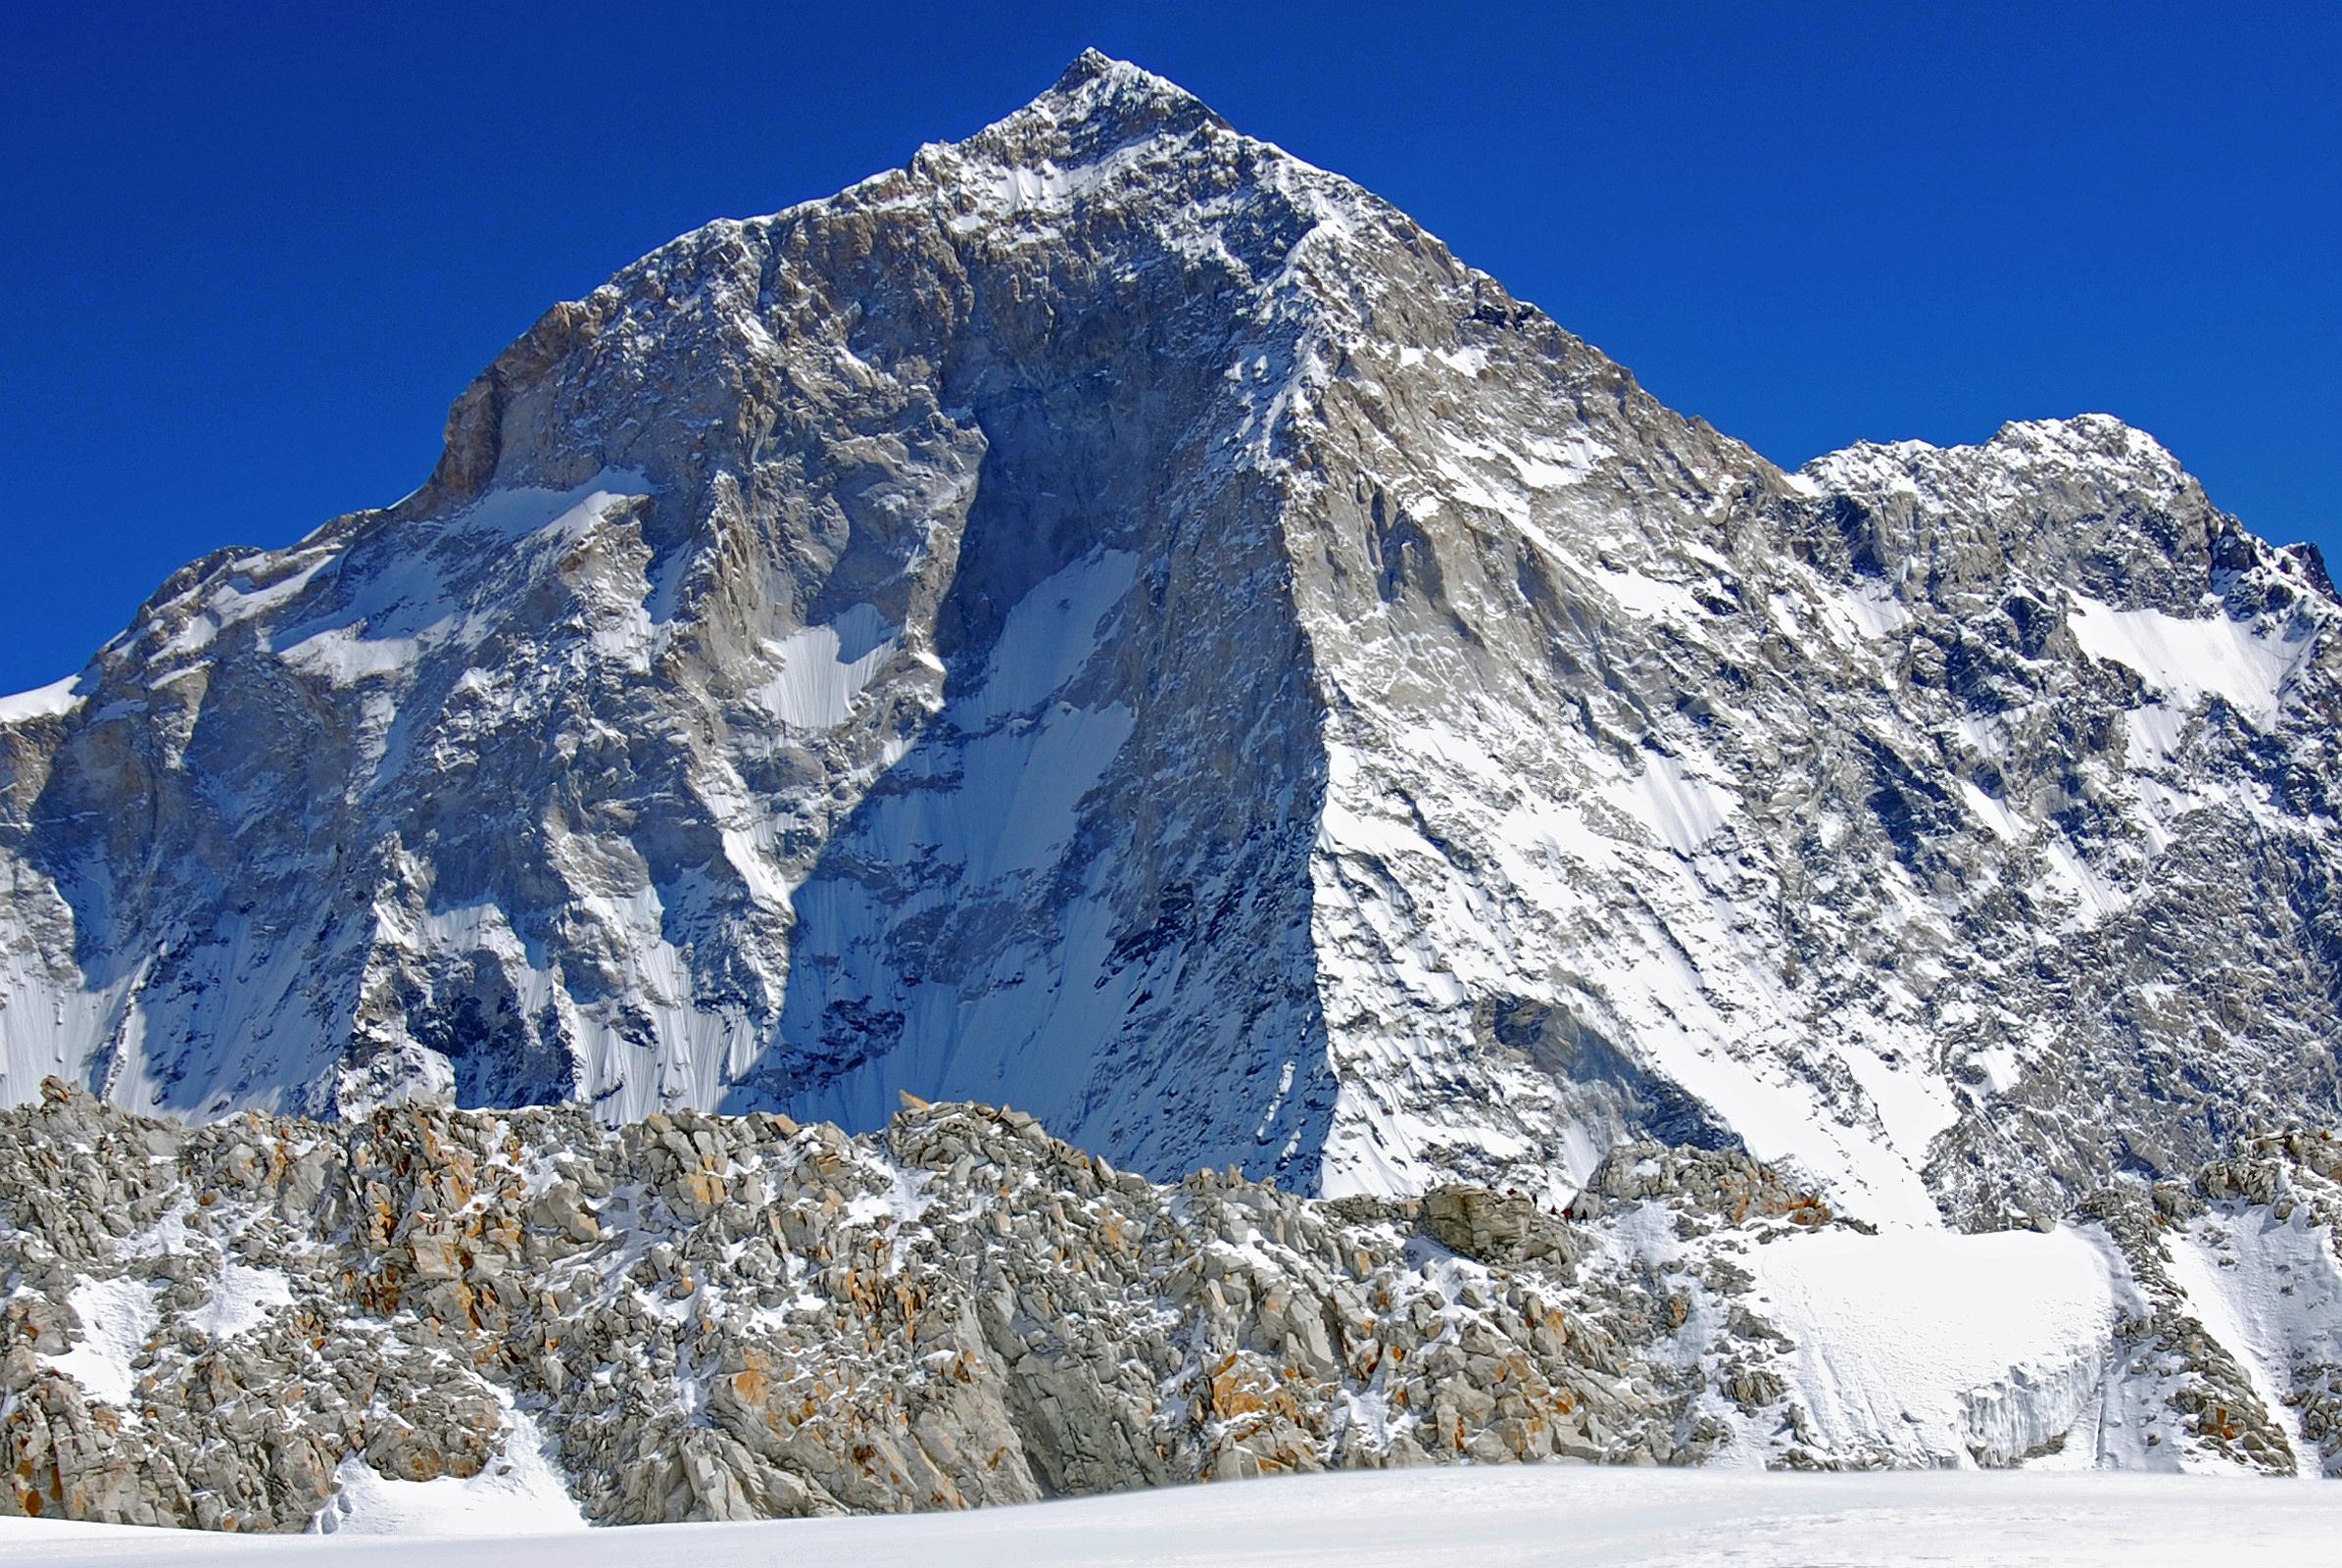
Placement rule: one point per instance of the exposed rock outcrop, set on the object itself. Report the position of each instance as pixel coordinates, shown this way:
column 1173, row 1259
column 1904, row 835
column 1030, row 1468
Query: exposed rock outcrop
column 713, row 1317
column 698, row 1317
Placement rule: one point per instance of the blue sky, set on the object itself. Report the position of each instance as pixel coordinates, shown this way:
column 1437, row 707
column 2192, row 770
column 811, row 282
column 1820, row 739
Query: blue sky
column 252, row 252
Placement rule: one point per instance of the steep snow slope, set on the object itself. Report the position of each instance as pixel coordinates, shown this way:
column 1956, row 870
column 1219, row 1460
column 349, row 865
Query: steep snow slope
column 1111, row 618
column 1933, row 1345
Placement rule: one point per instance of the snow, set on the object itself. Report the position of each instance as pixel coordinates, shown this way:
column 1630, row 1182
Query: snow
column 2093, row 450
column 1867, row 467
column 409, row 601
column 2192, row 659
column 518, row 1494
column 824, row 669
column 117, row 1316
column 1866, row 611
column 2064, row 870
column 2156, row 734
column 1658, row 988
column 344, row 655
column 2004, row 825
column 1681, row 810
column 41, row 702
column 1645, row 596
column 242, row 1297
column 990, row 797
column 2270, row 1290
column 1912, row 1104
column 1050, row 636
column 1993, row 1342
column 1497, row 1517
column 1052, row 190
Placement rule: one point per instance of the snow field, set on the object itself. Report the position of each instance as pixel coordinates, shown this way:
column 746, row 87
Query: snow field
column 1952, row 1349
column 1488, row 1518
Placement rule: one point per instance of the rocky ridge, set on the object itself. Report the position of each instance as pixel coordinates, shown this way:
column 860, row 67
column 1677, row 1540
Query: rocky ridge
column 241, row 1325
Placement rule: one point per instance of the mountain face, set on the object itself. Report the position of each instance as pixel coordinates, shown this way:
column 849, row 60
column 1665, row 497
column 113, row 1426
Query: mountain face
column 468, row 1318
column 1114, row 619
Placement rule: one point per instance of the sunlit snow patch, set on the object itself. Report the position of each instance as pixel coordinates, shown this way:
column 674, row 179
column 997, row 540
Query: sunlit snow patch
column 117, row 1316
column 2192, row 659
column 242, row 1297
column 1642, row 595
column 1489, row 1516
column 1977, row 1347
column 42, row 702
column 1681, row 810
column 411, row 606
column 1866, row 611
column 518, row 1494
column 2271, row 1292
column 824, row 669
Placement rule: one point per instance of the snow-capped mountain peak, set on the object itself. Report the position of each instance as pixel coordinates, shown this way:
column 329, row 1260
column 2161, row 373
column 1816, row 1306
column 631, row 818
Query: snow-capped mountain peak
column 1112, row 618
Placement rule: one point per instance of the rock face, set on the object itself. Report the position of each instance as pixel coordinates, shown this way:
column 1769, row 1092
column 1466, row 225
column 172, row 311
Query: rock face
column 1112, row 618
column 709, row 1317
column 248, row 1324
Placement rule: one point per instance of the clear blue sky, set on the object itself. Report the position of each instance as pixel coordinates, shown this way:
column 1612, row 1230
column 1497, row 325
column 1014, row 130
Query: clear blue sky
column 251, row 253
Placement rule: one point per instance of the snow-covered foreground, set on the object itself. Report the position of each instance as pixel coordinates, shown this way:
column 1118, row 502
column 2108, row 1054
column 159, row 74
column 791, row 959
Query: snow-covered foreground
column 1487, row 1517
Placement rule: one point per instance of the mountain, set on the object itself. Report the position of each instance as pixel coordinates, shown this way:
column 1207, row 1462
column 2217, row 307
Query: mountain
column 1112, row 619
column 1540, row 933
